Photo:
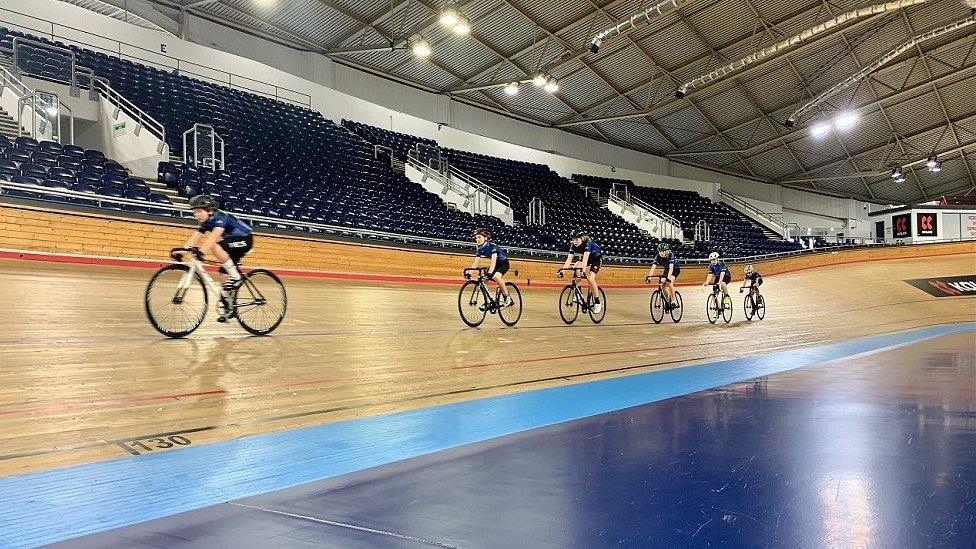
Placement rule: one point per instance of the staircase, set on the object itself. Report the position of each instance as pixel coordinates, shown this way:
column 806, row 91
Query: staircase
column 8, row 126
column 770, row 234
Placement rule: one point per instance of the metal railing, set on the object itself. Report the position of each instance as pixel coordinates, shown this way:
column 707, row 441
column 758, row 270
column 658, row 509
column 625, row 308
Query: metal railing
column 480, row 188
column 738, row 203
column 429, row 171
column 669, row 226
column 537, row 212
column 657, row 211
column 142, row 118
column 216, row 159
column 702, row 232
column 22, row 92
column 182, row 212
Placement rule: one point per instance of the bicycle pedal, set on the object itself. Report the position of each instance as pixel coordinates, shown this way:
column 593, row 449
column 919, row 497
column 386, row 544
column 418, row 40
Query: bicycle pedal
column 221, row 319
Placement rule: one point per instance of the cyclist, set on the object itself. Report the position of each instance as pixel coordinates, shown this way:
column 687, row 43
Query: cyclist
column 590, row 261
column 718, row 272
column 229, row 239
column 754, row 278
column 666, row 260
column 498, row 261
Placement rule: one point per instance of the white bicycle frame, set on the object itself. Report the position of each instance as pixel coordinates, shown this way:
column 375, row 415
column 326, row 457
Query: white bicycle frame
column 196, row 267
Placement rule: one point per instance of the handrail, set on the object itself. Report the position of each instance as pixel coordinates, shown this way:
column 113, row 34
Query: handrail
column 430, row 171
column 482, row 187
column 184, row 213
column 21, row 90
column 143, row 118
column 780, row 225
column 656, row 211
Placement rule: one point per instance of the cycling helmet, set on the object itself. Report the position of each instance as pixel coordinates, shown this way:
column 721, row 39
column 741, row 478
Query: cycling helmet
column 713, row 255
column 483, row 232
column 663, row 247
column 750, row 269
column 202, row 201
column 579, row 233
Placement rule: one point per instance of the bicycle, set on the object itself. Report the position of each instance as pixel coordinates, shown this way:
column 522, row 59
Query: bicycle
column 475, row 300
column 658, row 301
column 754, row 303
column 176, row 298
column 571, row 299
column 713, row 309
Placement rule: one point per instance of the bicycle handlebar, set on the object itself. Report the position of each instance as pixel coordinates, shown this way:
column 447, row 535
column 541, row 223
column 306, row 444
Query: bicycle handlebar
column 477, row 269
column 177, row 253
column 560, row 271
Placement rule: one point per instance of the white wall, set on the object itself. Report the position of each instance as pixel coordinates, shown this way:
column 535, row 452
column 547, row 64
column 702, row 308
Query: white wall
column 339, row 92
column 964, row 221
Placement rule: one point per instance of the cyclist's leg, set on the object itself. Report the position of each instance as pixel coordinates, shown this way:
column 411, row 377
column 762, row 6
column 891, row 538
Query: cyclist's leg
column 591, row 271
column 501, row 269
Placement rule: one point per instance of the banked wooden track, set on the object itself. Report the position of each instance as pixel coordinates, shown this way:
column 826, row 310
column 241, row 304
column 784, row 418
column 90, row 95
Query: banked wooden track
column 83, row 377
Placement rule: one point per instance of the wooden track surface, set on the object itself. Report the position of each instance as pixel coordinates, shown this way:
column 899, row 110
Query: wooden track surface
column 85, row 378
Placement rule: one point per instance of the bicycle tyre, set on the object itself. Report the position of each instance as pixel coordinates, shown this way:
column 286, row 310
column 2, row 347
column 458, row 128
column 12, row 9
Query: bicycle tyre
column 657, row 306
column 711, row 308
column 194, row 319
column 678, row 311
column 471, row 304
column 510, row 315
column 568, row 305
column 597, row 318
column 243, row 312
column 760, row 307
column 727, row 308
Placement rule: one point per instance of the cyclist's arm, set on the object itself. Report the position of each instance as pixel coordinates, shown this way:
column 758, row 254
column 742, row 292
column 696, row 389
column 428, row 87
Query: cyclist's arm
column 569, row 260
column 477, row 260
column 708, row 279
column 585, row 260
column 194, row 240
column 653, row 270
column 670, row 272
column 215, row 236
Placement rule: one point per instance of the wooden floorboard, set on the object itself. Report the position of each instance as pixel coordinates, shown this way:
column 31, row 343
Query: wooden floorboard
column 83, row 375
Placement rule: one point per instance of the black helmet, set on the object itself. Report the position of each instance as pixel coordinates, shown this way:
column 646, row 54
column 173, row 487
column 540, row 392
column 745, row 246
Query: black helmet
column 578, row 233
column 204, row 201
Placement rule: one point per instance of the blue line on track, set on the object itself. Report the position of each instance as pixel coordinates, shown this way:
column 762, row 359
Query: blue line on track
column 45, row 507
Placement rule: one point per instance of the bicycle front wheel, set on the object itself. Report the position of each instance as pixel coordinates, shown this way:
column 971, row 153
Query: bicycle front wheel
column 174, row 311
column 760, row 307
column 472, row 304
column 261, row 302
column 568, row 305
column 747, row 307
column 727, row 308
column 597, row 317
column 510, row 315
column 679, row 308
column 711, row 308
column 657, row 307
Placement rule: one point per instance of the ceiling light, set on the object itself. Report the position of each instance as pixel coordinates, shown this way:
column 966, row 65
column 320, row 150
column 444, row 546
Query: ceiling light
column 552, row 86
column 421, row 48
column 932, row 161
column 540, row 80
column 449, row 17
column 462, row 26
column 936, row 168
column 512, row 88
column 595, row 45
column 820, row 129
column 845, row 120
column 680, row 92
column 900, row 179
column 896, row 173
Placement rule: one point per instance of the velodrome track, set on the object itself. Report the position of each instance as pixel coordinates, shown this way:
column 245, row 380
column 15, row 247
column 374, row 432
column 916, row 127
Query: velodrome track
column 85, row 378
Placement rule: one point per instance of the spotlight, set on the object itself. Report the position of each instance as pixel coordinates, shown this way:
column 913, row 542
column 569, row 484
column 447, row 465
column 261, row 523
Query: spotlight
column 421, row 48
column 900, row 179
column 845, row 120
column 449, row 17
column 540, row 80
column 896, row 173
column 595, row 45
column 820, row 129
column 552, row 86
column 789, row 123
column 680, row 92
column 932, row 162
column 936, row 168
column 512, row 88
column 463, row 26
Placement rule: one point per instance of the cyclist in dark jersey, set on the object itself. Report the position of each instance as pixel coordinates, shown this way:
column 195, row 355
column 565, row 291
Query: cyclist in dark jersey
column 498, row 264
column 229, row 238
column 591, row 259
column 754, row 278
column 718, row 273
column 665, row 259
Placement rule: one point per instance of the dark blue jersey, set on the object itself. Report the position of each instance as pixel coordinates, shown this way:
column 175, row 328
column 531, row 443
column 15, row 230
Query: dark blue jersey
column 232, row 226
column 718, row 268
column 666, row 260
column 489, row 248
column 755, row 277
column 587, row 246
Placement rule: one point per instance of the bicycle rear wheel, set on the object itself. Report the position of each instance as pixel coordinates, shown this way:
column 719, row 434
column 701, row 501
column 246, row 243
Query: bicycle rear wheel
column 711, row 308
column 568, row 305
column 597, row 317
column 747, row 307
column 760, row 306
column 171, row 311
column 261, row 302
column 510, row 315
column 679, row 308
column 727, row 308
column 472, row 305
column 657, row 306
